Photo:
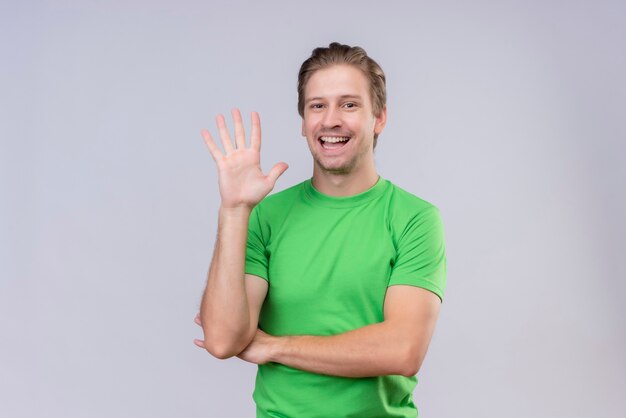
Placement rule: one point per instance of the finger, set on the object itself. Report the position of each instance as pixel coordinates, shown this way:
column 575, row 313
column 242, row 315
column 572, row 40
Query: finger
column 199, row 343
column 224, row 135
column 255, row 134
column 211, row 145
column 240, row 134
column 197, row 320
column 277, row 171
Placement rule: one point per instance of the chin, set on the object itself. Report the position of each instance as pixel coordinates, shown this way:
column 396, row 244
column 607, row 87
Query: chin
column 339, row 169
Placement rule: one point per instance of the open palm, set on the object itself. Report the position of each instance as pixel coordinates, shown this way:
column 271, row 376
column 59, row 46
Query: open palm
column 241, row 180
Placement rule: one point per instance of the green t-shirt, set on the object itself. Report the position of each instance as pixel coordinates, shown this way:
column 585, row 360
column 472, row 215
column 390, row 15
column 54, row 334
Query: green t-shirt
column 328, row 261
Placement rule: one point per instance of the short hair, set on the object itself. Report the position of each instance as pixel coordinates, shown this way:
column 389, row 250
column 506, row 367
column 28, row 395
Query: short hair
column 336, row 54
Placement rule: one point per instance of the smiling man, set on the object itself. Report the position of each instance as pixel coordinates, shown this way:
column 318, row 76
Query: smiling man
column 332, row 286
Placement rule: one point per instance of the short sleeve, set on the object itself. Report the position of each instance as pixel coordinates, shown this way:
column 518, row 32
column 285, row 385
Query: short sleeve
column 256, row 254
column 420, row 253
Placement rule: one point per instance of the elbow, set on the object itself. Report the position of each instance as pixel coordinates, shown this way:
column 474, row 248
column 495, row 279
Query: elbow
column 410, row 369
column 222, row 348
column 221, row 352
column 411, row 362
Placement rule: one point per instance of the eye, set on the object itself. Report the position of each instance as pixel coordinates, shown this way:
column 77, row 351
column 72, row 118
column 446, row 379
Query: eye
column 316, row 106
column 349, row 105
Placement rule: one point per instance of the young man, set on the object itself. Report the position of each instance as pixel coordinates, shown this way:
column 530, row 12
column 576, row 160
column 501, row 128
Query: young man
column 333, row 286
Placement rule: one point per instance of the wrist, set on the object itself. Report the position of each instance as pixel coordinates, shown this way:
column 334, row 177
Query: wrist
column 235, row 211
column 280, row 347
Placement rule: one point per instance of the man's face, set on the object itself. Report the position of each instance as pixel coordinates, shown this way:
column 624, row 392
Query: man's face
column 338, row 121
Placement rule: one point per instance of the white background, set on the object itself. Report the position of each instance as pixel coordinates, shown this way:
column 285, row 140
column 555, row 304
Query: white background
column 507, row 115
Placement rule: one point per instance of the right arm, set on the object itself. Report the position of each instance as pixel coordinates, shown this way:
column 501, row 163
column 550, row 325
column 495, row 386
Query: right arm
column 232, row 300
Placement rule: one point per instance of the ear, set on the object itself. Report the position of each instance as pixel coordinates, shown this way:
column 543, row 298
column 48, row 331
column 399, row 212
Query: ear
column 381, row 121
column 303, row 134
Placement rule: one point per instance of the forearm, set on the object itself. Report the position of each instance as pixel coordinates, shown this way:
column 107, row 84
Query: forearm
column 374, row 350
column 224, row 311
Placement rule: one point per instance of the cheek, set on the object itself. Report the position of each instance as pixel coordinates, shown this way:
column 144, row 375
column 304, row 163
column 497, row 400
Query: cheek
column 369, row 124
column 308, row 127
column 360, row 124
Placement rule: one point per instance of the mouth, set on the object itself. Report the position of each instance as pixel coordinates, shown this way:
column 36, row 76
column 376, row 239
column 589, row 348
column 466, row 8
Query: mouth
column 333, row 142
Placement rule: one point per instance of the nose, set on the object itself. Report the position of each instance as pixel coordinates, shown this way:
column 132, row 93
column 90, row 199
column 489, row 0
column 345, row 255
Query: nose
column 332, row 118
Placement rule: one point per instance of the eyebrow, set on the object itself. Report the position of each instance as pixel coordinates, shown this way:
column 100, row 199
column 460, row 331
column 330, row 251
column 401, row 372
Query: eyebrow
column 343, row 96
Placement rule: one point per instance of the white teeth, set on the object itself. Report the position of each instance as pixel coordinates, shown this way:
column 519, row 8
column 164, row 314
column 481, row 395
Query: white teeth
column 335, row 139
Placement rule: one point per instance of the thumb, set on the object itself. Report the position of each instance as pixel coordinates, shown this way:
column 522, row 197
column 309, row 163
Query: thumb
column 277, row 171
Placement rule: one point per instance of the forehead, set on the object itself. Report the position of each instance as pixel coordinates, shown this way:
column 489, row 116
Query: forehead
column 336, row 81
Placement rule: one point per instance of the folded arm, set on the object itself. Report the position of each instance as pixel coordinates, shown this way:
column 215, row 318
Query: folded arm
column 397, row 345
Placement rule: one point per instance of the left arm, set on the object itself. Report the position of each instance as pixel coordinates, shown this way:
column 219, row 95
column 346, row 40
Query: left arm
column 397, row 345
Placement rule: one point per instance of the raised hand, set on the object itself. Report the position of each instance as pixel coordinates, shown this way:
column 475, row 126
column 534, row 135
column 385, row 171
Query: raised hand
column 241, row 180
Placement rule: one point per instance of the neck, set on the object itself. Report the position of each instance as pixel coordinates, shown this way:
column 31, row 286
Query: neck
column 344, row 184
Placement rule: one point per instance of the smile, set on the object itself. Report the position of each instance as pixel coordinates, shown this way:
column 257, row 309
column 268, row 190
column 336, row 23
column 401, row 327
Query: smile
column 334, row 142
column 335, row 139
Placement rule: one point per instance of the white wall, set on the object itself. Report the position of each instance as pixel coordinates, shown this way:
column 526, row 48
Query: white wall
column 508, row 115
